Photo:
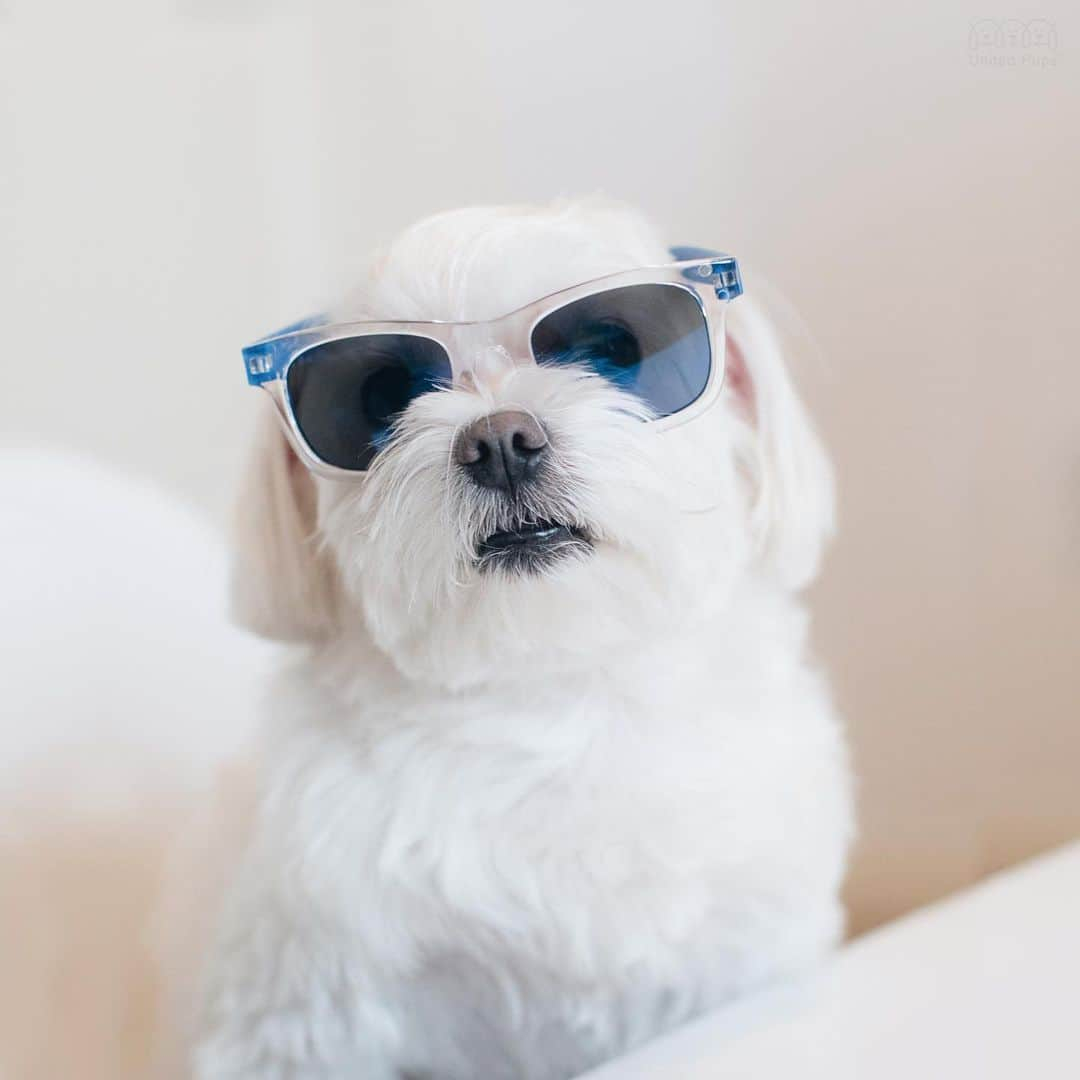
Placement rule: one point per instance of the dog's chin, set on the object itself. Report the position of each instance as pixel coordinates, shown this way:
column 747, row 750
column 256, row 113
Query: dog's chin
column 532, row 599
column 532, row 548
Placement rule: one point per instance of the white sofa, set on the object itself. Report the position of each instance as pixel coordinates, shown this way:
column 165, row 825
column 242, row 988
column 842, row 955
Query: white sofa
column 124, row 690
column 982, row 986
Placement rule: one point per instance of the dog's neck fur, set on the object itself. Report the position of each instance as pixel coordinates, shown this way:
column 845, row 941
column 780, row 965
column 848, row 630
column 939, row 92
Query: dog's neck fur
column 741, row 642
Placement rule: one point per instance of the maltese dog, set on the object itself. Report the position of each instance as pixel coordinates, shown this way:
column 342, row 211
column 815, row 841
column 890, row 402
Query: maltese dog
column 548, row 770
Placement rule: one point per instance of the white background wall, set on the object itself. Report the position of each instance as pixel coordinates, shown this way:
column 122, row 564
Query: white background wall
column 177, row 177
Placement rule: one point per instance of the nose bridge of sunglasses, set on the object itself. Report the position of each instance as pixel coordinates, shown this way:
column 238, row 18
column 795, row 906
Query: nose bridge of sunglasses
column 485, row 354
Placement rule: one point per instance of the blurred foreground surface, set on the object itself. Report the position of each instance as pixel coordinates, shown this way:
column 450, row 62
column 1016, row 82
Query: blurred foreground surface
column 125, row 691
column 982, row 985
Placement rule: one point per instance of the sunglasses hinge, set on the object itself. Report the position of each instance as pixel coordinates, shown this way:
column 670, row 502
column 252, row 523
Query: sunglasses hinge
column 726, row 279
column 259, row 363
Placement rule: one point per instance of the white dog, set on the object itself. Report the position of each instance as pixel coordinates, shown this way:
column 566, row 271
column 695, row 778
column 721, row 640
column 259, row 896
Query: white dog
column 513, row 823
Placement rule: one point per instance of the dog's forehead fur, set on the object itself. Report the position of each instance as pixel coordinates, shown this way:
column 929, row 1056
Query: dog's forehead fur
column 483, row 262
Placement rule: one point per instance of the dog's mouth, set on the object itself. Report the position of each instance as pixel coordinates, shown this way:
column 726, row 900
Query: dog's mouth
column 532, row 546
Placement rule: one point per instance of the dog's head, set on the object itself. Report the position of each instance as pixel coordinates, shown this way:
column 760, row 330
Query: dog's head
column 529, row 518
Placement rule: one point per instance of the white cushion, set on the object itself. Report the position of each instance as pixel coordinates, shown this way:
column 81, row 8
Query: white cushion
column 982, row 985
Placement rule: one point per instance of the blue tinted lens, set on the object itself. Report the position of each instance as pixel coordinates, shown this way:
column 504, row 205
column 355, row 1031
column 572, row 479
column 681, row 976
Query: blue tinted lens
column 650, row 340
column 346, row 394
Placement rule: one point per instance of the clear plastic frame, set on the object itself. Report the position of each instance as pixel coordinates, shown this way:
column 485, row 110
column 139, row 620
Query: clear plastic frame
column 711, row 277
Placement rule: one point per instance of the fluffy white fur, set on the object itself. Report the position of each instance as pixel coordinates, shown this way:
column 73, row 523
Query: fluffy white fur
column 513, row 826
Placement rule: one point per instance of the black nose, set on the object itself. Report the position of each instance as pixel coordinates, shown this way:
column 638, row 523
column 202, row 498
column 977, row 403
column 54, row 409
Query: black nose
column 502, row 450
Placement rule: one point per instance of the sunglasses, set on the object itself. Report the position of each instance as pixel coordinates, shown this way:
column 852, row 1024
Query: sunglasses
column 656, row 333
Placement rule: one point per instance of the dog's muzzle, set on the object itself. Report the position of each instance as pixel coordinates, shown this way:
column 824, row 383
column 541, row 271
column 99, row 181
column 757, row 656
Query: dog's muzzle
column 506, row 453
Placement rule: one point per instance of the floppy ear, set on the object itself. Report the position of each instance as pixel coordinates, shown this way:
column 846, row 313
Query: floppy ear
column 284, row 584
column 792, row 491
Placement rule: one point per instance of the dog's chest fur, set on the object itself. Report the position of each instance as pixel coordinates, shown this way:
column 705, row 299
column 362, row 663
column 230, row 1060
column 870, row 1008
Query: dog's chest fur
column 549, row 872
